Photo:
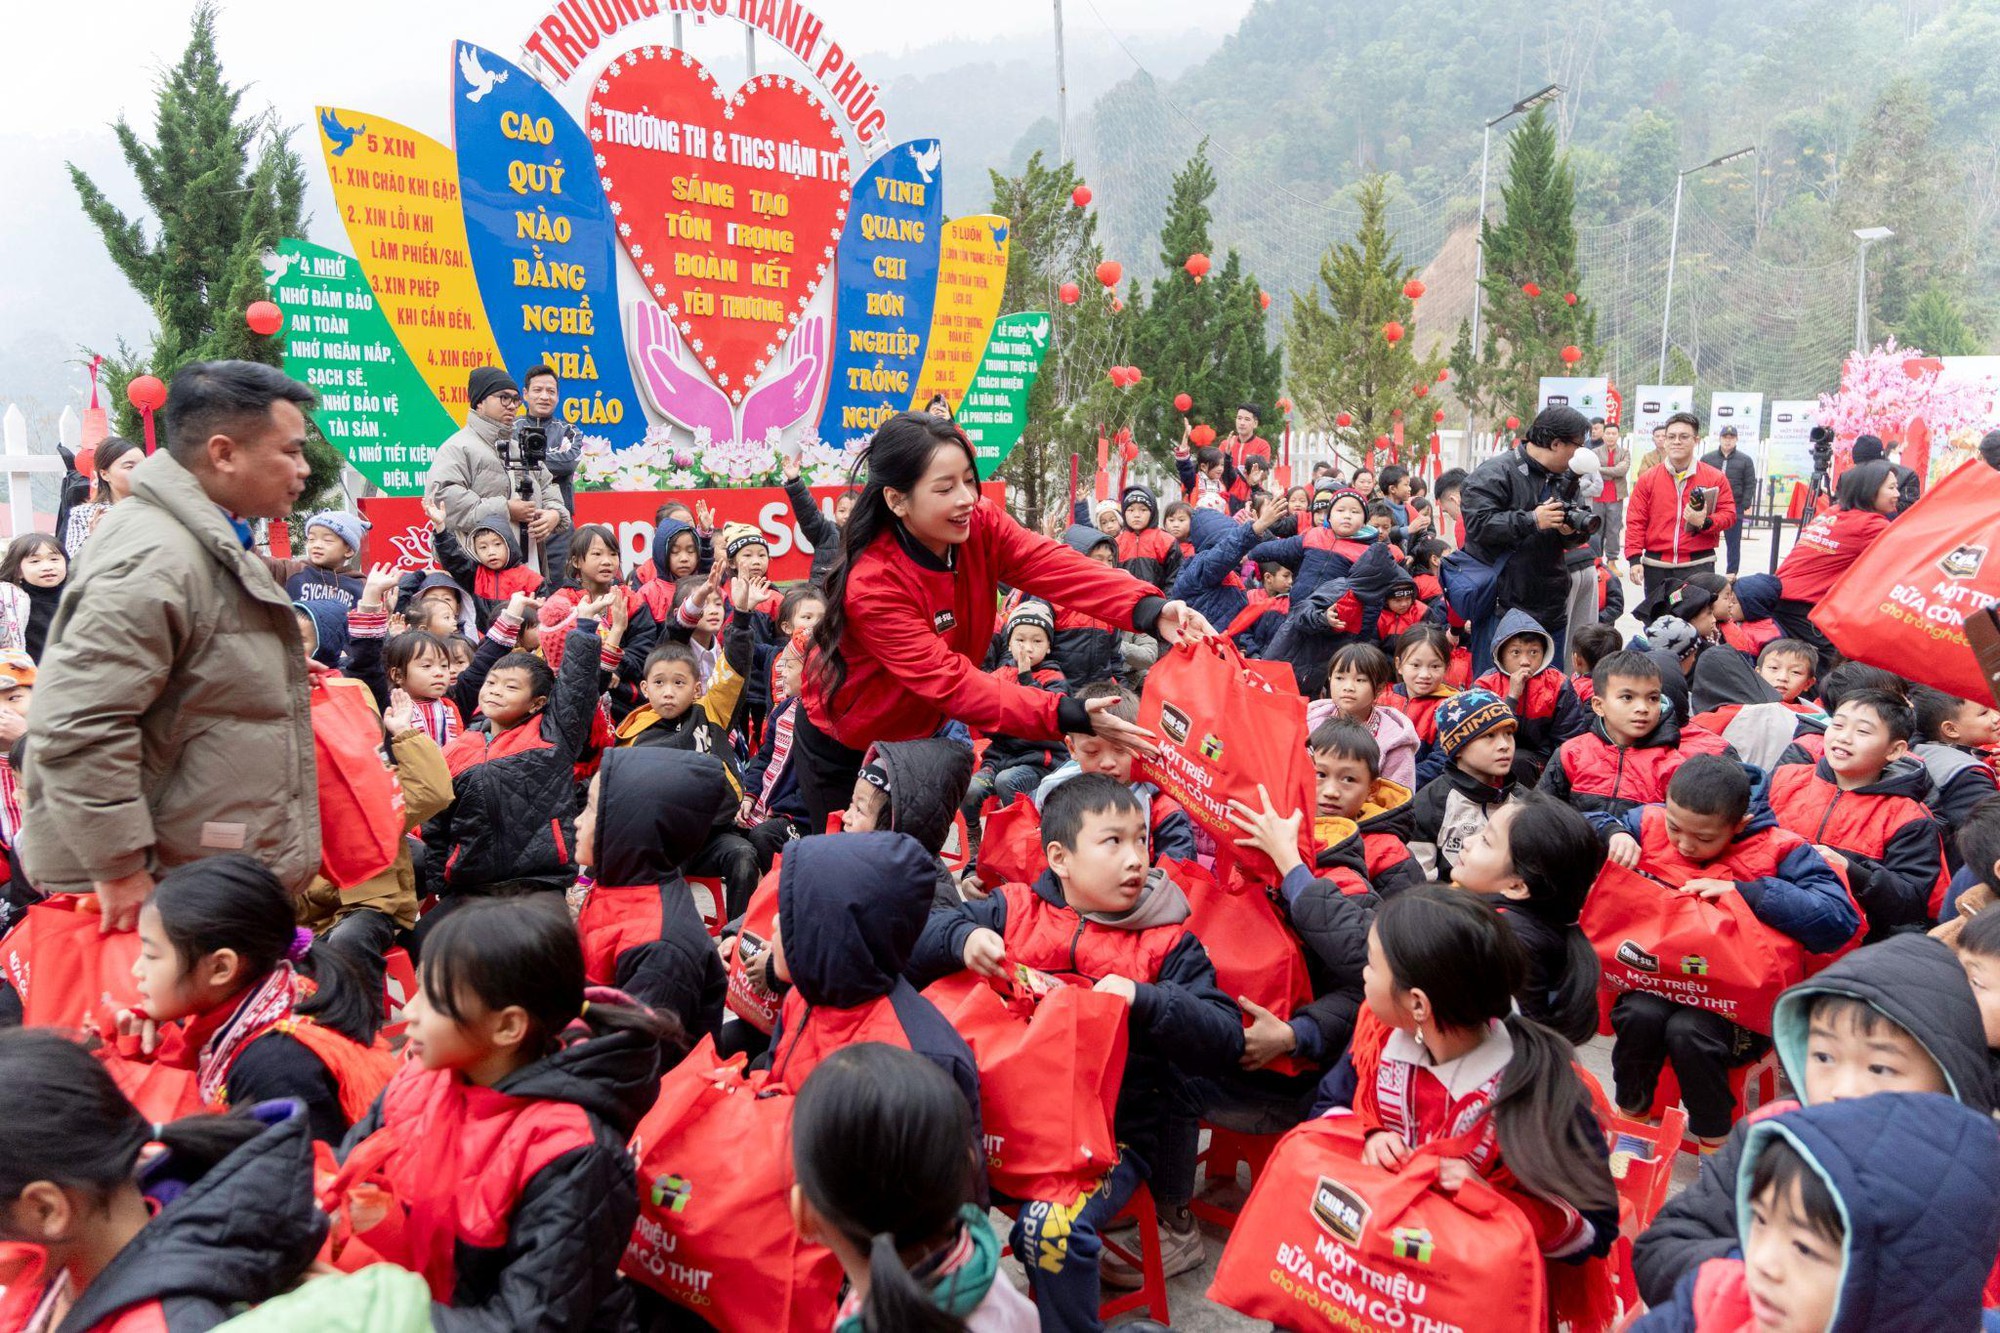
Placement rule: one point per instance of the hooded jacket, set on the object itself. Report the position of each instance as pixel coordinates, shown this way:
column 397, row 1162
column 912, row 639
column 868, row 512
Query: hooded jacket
column 1599, row 776
column 1912, row 980
column 1960, row 779
column 1086, row 648
column 329, row 631
column 1895, row 860
column 1388, row 822
column 1148, row 554
column 1308, row 643
column 1912, row 1176
column 641, row 930
column 238, row 1234
column 1331, row 909
column 1548, row 709
column 850, row 911
column 1210, row 582
column 927, row 784
column 467, row 615
column 1315, row 555
column 531, row 1179
column 917, row 627
column 490, row 588
column 1181, row 1023
column 820, row 532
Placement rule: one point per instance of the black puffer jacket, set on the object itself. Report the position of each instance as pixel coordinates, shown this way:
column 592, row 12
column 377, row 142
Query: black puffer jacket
column 1086, row 649
column 240, row 1233
column 820, row 532
column 655, row 810
column 1308, row 643
column 927, row 783
column 1913, row 980
column 1331, row 913
column 1497, row 506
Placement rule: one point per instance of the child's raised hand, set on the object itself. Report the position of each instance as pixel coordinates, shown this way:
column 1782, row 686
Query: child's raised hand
column 1123, row 987
column 789, row 465
column 1267, row 1037
column 620, row 611
column 402, row 714
column 1517, row 681
column 1453, row 1172
column 1624, row 850
column 380, row 579
column 595, row 607
column 747, row 593
column 1267, row 831
column 1710, row 889
column 520, row 606
column 1275, row 508
column 434, row 512
column 132, row 1023
column 1385, row 1151
column 986, row 954
column 704, row 517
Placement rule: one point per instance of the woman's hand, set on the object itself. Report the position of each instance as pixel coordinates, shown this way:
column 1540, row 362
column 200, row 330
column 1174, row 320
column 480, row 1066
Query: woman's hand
column 1453, row 1172
column 1180, row 623
column 1106, row 725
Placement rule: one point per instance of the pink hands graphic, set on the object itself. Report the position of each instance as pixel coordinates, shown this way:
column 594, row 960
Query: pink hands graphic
column 687, row 397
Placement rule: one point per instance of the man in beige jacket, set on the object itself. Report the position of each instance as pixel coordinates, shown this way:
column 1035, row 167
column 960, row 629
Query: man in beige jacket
column 172, row 720
column 472, row 483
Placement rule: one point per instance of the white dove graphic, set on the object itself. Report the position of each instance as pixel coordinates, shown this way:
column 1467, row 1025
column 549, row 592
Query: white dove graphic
column 476, row 74
column 276, row 266
column 927, row 160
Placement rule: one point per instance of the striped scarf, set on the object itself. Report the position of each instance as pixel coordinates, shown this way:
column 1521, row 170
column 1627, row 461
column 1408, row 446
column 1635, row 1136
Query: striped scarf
column 440, row 720
column 10, row 802
column 270, row 1003
column 781, row 754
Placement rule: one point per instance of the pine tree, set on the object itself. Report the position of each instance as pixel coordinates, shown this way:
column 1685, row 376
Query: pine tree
column 1340, row 360
column 1205, row 339
column 223, row 188
column 1937, row 323
column 1053, row 242
column 1534, row 244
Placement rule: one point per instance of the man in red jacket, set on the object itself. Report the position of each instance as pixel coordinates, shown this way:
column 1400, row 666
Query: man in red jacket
column 1678, row 511
column 1614, row 461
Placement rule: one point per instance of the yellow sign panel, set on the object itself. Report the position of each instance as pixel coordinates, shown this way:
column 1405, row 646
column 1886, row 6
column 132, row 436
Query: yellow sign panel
column 397, row 191
column 972, row 276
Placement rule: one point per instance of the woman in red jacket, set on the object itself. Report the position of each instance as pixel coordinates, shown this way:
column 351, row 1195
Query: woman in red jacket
column 1865, row 498
column 910, row 613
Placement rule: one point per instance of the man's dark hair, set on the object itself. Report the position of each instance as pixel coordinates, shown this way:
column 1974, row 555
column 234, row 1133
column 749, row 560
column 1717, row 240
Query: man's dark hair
column 536, row 371
column 1077, row 799
column 1597, row 421
column 1555, row 425
column 1711, row 784
column 1684, row 419
column 1253, row 410
column 209, row 398
column 1453, row 480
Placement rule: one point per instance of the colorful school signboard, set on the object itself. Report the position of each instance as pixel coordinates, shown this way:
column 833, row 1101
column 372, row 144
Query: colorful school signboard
column 720, row 274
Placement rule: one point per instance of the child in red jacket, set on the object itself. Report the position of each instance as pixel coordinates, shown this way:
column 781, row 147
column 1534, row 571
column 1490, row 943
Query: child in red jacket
column 1632, row 749
column 1532, row 682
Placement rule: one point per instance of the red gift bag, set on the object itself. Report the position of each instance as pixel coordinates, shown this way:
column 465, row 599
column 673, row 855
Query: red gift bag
column 1255, row 953
column 1711, row 954
column 1902, row 604
column 360, row 797
column 746, row 999
column 162, row 1092
column 715, row 1230
column 67, row 972
column 1049, row 1072
column 1011, row 849
column 1327, row 1242
column 1224, row 730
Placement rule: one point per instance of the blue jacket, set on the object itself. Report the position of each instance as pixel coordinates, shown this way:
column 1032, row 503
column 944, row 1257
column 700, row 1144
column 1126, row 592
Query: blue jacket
column 1305, row 641
column 1916, row 1177
column 1220, row 546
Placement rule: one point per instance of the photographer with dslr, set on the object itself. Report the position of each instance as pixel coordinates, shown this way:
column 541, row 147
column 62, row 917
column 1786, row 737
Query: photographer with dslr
column 494, row 468
column 1522, row 512
column 1678, row 512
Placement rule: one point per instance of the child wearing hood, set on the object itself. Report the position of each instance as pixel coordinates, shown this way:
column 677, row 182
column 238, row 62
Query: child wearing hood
column 333, row 544
column 1098, row 917
column 1898, row 1016
column 492, row 571
column 1531, row 680
column 913, row 787
column 649, row 813
column 1857, row 1215
column 1145, row 550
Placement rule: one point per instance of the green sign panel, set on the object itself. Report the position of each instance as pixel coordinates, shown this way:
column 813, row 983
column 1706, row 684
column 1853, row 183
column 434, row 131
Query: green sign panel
column 995, row 410
column 373, row 405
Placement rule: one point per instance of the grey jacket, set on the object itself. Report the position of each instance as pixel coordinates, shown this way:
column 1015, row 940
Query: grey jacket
column 173, row 719
column 469, row 481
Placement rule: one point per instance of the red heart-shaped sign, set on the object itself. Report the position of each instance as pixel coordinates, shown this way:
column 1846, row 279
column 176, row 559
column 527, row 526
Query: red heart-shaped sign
column 730, row 204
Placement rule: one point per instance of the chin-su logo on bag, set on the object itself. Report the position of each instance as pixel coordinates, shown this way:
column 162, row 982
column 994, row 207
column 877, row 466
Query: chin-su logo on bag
column 1175, row 723
column 1636, row 958
column 1694, row 965
column 1963, row 562
column 1338, row 1209
column 672, row 1193
column 1412, row 1243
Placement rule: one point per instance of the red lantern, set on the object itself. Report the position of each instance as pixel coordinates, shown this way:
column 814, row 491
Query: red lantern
column 1116, row 374
column 1572, row 354
column 1438, row 415
column 1392, row 332
column 1384, row 442
column 1197, row 264
column 1343, row 421
column 148, row 395
column 1423, row 390
column 1128, row 449
column 1530, row 290
column 1443, row 375
column 1117, row 304
column 1414, row 288
column 1513, row 423
column 1284, row 404
column 1263, row 300
column 1202, row 435
column 1133, row 375
column 1396, row 413
column 1109, row 272
column 1182, row 402
column 1569, row 298
column 1070, row 293
column 1080, row 196
column 264, row 318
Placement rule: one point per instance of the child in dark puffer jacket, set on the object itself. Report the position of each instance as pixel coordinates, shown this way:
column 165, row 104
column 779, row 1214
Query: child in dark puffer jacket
column 1013, row 766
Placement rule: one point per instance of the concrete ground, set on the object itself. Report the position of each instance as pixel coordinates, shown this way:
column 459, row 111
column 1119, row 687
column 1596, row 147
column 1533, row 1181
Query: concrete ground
column 1192, row 1311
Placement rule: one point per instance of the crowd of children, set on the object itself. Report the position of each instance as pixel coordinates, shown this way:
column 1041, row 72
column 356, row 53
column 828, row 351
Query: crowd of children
column 612, row 894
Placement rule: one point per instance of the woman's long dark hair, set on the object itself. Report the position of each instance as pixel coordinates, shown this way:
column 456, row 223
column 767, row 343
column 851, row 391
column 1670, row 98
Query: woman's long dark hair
column 68, row 1123
column 896, row 459
column 1860, row 483
column 108, row 452
column 882, row 1149
column 1557, row 854
column 234, row 902
column 1466, row 960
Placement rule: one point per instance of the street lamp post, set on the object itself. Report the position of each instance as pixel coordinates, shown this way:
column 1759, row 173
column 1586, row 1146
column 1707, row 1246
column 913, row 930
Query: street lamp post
column 1867, row 236
column 1673, row 247
column 1528, row 103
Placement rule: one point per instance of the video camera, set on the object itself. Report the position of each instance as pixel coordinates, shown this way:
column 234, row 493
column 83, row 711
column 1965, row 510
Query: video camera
column 522, row 451
column 1822, row 460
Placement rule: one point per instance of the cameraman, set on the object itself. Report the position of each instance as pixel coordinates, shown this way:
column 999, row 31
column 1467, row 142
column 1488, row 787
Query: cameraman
column 1516, row 506
column 484, row 472
column 1677, row 513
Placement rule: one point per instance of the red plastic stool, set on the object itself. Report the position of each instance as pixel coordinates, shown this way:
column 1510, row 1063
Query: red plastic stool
column 1752, row 1085
column 1151, row 1297
column 1226, row 1151
column 712, row 914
